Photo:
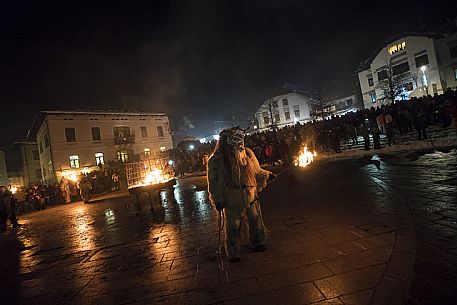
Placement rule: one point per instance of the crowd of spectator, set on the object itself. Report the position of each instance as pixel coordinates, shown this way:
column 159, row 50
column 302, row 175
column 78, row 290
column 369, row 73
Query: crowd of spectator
column 364, row 127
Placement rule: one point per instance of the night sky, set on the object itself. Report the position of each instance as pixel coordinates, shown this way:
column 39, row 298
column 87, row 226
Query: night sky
column 206, row 60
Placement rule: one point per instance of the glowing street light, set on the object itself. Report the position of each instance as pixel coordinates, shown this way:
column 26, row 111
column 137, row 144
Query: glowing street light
column 424, row 79
column 191, row 147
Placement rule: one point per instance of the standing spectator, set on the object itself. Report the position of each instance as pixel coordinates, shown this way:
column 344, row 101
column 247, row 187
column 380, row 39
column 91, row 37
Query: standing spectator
column 381, row 121
column 269, row 153
column 389, row 129
column 65, row 189
column 420, row 123
column 365, row 136
column 376, row 138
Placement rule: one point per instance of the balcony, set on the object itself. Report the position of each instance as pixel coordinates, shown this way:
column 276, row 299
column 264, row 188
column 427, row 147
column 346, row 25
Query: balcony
column 124, row 139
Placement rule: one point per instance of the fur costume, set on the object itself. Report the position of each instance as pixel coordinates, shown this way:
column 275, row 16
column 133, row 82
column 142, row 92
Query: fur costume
column 234, row 180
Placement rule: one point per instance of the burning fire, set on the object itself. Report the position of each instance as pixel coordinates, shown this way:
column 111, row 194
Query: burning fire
column 305, row 158
column 13, row 189
column 156, row 176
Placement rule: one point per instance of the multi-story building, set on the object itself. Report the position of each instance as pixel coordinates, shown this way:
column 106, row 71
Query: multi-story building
column 69, row 140
column 416, row 65
column 283, row 110
column 3, row 173
column 30, row 162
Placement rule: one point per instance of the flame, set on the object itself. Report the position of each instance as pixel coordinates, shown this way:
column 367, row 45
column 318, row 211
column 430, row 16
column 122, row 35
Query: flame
column 155, row 176
column 71, row 175
column 305, row 158
column 13, row 189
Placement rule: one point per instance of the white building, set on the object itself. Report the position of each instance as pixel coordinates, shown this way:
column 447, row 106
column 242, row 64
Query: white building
column 3, row 173
column 283, row 110
column 69, row 140
column 412, row 56
column 423, row 63
column 30, row 171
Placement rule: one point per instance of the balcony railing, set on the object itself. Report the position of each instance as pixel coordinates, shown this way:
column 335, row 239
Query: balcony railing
column 124, row 139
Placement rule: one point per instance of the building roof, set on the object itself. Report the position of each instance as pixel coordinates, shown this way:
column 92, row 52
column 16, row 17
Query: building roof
column 365, row 64
column 100, row 112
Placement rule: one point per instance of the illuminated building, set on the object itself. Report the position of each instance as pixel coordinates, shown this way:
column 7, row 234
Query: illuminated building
column 3, row 174
column 283, row 110
column 74, row 140
column 420, row 63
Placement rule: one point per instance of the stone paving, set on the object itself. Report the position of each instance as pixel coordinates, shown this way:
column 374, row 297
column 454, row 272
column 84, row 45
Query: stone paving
column 340, row 232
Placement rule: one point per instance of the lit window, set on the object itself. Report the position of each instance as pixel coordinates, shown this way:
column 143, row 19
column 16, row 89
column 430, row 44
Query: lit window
column 455, row 73
column 74, row 161
column 163, row 148
column 147, row 151
column 99, row 158
column 123, row 155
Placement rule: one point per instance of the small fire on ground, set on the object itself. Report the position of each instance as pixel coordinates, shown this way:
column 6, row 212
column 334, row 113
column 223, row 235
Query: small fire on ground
column 305, row 158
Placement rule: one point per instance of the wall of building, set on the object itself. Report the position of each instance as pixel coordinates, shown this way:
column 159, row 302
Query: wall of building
column 3, row 173
column 54, row 158
column 31, row 167
column 294, row 101
column 414, row 47
column 448, row 59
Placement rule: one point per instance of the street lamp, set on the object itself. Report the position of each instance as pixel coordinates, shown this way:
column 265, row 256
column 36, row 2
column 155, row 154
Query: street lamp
column 424, row 79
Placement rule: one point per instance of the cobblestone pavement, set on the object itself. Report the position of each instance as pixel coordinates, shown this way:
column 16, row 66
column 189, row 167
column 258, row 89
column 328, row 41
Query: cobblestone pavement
column 341, row 232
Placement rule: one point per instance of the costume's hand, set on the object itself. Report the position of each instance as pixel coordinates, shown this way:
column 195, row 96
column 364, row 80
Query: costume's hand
column 219, row 206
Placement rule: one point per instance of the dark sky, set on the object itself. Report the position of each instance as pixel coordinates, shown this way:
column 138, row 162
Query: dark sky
column 200, row 59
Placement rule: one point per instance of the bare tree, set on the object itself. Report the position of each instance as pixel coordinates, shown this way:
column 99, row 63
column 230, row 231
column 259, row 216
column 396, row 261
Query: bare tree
column 269, row 107
column 391, row 83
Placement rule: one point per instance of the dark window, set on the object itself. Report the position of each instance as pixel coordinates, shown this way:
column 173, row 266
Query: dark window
column 275, row 104
column 36, row 155
column 70, row 134
column 266, row 120
column 277, row 118
column 373, row 97
column 453, row 51
column 46, row 140
column 160, row 131
column 95, row 134
column 121, row 132
column 349, row 103
column 370, row 82
column 285, row 102
column 382, row 75
column 401, row 68
column 421, row 60
column 144, row 132
column 38, row 173
column 287, row 115
column 40, row 146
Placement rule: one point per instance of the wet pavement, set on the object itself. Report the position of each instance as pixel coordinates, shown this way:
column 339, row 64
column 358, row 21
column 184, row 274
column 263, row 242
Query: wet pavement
column 340, row 232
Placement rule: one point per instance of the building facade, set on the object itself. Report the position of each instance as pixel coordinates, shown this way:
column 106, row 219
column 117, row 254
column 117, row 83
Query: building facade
column 3, row 173
column 283, row 110
column 410, row 60
column 71, row 140
column 31, row 167
column 420, row 64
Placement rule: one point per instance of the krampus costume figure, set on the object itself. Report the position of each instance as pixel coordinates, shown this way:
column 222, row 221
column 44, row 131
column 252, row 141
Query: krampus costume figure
column 234, row 181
